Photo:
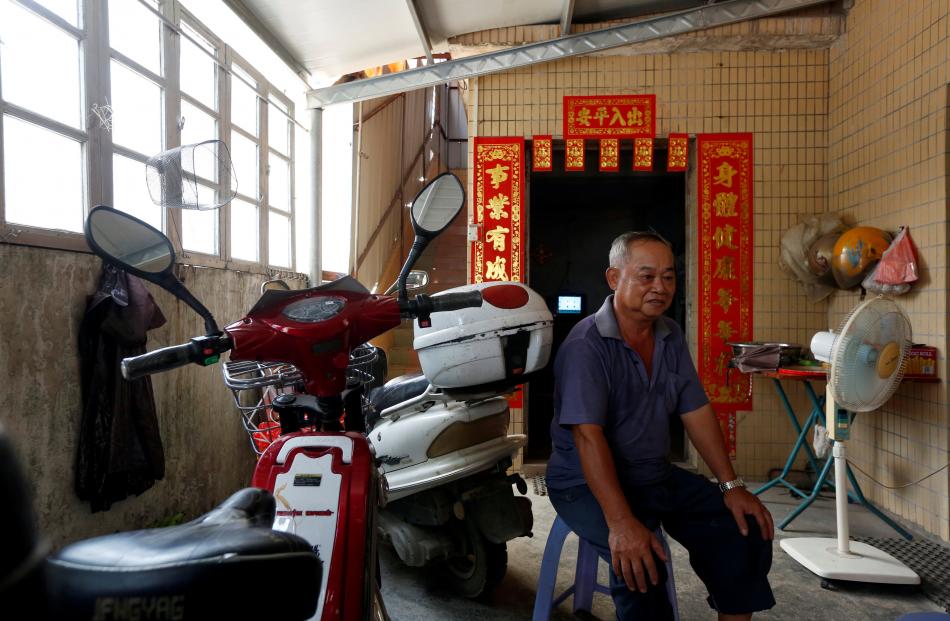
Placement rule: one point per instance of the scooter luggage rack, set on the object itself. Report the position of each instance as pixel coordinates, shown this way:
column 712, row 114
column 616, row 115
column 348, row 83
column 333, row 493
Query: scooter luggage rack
column 250, row 374
column 271, row 379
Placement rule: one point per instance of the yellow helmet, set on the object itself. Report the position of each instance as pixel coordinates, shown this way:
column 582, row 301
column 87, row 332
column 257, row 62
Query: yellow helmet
column 856, row 252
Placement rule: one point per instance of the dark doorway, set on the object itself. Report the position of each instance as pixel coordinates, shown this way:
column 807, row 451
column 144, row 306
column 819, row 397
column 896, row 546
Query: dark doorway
column 572, row 218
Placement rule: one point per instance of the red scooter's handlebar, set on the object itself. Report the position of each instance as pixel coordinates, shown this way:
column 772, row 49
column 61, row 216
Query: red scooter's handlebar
column 203, row 350
column 206, row 350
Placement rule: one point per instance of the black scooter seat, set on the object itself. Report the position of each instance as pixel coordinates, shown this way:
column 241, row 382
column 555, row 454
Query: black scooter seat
column 226, row 564
column 397, row 390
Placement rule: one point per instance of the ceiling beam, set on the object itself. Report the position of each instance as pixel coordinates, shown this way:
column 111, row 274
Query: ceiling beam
column 567, row 16
column 708, row 16
column 421, row 31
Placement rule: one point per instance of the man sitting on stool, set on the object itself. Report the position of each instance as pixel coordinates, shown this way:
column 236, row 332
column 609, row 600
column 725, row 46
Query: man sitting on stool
column 619, row 376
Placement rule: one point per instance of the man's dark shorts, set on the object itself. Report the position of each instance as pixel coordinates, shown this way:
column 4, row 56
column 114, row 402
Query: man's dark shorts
column 733, row 567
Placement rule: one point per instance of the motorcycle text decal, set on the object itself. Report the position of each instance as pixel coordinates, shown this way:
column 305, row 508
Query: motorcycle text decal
column 144, row 607
column 725, row 271
column 307, row 480
column 499, row 209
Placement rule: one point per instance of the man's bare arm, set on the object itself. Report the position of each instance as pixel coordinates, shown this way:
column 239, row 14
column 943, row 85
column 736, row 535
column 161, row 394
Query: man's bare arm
column 629, row 540
column 704, row 432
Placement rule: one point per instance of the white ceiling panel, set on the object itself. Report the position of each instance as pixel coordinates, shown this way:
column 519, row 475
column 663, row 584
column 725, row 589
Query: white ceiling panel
column 332, row 38
column 335, row 37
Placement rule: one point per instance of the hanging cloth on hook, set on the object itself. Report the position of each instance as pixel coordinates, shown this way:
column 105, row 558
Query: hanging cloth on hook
column 120, row 448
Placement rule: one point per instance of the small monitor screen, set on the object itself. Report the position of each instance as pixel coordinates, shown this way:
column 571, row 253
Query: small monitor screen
column 570, row 304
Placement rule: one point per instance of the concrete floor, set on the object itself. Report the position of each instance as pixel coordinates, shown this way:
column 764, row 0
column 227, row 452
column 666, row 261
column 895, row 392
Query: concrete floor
column 410, row 595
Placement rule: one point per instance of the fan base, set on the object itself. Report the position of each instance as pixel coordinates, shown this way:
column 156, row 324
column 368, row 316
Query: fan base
column 864, row 564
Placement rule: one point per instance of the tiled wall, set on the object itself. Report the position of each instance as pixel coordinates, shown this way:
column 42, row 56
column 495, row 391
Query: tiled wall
column 887, row 166
column 781, row 96
column 833, row 130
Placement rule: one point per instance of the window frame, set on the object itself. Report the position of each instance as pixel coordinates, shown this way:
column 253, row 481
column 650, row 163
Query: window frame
column 272, row 95
column 97, row 147
column 182, row 16
column 94, row 185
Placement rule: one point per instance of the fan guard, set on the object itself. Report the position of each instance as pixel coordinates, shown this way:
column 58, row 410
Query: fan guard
column 869, row 355
column 187, row 177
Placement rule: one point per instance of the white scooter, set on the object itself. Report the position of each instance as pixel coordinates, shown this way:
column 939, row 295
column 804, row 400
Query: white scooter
column 441, row 437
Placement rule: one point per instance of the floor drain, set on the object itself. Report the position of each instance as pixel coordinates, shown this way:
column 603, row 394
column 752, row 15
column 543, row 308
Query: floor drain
column 540, row 486
column 930, row 560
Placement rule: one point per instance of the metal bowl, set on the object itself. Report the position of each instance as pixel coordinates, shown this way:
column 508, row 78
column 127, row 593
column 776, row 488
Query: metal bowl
column 789, row 353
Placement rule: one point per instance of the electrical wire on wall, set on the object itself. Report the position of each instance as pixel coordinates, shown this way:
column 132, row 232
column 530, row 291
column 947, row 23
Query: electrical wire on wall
column 903, row 485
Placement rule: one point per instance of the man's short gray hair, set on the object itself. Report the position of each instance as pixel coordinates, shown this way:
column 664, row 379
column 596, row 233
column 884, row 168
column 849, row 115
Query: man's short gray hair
column 620, row 248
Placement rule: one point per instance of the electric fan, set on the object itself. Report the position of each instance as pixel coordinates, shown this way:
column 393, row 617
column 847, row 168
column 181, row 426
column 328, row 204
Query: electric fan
column 867, row 358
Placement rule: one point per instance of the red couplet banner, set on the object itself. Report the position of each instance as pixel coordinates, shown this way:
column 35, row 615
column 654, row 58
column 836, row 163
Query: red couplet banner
column 498, row 254
column 725, row 270
column 499, row 209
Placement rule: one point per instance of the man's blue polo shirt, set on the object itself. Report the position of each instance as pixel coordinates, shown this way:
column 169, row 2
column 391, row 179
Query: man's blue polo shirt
column 599, row 379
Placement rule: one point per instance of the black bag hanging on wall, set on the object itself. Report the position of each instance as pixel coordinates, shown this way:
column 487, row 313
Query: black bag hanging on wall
column 120, row 447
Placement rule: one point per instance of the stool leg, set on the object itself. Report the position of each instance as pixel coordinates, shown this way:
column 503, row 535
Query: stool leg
column 585, row 576
column 547, row 578
column 670, row 583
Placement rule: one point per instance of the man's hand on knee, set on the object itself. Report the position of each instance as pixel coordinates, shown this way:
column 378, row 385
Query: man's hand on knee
column 632, row 546
column 741, row 502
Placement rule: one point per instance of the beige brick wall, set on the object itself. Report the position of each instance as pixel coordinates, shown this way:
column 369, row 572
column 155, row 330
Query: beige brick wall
column 858, row 128
column 888, row 166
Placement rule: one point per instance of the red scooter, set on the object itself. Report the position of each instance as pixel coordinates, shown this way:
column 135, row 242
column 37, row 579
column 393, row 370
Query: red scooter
column 321, row 469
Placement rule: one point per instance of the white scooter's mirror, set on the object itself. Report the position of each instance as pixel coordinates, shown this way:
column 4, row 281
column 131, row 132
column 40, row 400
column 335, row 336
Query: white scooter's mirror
column 437, row 205
column 128, row 242
column 432, row 210
column 274, row 285
column 415, row 280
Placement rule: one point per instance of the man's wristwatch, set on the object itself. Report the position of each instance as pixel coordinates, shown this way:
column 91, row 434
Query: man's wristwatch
column 733, row 484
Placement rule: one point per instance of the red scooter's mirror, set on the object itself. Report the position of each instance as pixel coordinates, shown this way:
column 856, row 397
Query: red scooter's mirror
column 141, row 249
column 128, row 242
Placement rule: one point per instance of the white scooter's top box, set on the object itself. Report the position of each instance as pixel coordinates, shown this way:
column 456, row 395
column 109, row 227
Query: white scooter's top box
column 508, row 336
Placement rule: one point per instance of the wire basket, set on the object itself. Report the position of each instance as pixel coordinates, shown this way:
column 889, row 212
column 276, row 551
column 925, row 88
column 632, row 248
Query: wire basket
column 187, row 177
column 254, row 386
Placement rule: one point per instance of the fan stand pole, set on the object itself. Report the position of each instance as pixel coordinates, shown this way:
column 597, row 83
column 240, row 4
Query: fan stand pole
column 841, row 497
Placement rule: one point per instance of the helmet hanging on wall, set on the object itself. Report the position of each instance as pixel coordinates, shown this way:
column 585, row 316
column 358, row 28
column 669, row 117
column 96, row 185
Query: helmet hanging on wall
column 819, row 258
column 857, row 251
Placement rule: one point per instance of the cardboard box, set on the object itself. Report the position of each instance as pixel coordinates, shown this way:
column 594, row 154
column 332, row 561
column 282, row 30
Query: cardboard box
column 921, row 363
